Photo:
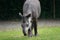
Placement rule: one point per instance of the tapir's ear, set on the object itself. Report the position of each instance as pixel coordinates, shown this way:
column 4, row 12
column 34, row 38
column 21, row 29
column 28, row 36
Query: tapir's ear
column 20, row 14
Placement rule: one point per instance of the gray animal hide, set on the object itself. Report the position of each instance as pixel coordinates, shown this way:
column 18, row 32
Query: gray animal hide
column 32, row 7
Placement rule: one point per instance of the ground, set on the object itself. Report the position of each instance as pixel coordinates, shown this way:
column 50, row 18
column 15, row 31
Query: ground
column 47, row 30
column 45, row 33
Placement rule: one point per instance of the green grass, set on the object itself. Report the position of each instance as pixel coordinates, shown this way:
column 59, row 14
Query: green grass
column 45, row 33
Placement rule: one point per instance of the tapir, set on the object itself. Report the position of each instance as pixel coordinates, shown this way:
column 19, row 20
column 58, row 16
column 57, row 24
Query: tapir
column 31, row 13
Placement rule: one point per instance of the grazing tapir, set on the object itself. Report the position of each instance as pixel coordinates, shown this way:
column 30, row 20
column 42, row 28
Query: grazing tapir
column 31, row 12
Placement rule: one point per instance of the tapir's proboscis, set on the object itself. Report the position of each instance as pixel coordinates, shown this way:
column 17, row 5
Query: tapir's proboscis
column 31, row 12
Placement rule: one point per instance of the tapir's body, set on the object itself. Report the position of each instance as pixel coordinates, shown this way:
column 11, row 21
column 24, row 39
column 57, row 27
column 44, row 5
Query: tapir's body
column 31, row 11
column 32, row 6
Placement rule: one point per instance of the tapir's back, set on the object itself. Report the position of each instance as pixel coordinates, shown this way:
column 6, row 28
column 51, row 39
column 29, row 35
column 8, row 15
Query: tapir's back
column 32, row 6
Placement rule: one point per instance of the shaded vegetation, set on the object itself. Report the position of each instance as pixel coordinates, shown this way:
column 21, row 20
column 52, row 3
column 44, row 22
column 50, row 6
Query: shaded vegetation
column 9, row 9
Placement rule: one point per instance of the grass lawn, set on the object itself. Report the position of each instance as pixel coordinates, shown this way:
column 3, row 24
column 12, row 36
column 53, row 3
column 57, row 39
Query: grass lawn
column 45, row 33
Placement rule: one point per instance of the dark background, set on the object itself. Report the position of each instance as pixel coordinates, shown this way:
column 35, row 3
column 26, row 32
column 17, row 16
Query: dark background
column 9, row 9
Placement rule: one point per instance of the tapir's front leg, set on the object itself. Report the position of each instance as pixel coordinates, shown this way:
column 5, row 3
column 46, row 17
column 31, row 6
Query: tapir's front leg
column 35, row 28
column 35, row 25
column 29, row 32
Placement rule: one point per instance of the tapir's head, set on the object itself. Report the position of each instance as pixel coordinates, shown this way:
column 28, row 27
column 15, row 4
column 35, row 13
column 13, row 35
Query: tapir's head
column 26, row 22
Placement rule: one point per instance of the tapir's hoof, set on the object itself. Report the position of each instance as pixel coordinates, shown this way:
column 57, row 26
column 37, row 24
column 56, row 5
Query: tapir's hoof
column 36, row 35
column 30, row 35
